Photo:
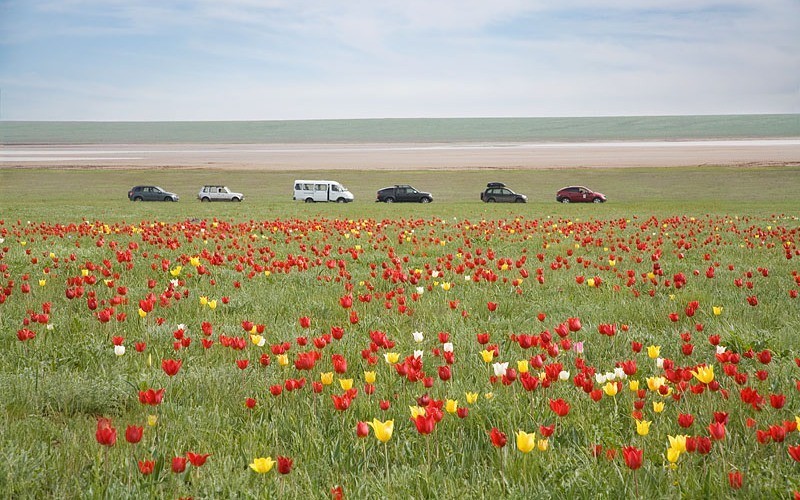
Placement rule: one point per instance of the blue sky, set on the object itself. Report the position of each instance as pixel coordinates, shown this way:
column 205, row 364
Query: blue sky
column 296, row 59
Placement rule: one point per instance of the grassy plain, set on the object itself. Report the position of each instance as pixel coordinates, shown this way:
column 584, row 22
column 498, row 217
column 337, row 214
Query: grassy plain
column 54, row 387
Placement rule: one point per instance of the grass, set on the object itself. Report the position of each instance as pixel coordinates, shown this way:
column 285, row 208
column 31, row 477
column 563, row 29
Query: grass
column 55, row 386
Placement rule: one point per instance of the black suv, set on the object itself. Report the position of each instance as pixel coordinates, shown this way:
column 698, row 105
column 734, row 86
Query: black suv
column 151, row 193
column 498, row 192
column 401, row 193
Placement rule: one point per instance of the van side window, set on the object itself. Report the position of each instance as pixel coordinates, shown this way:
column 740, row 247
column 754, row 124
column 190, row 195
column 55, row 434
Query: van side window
column 297, row 186
column 307, row 187
column 321, row 187
column 334, row 187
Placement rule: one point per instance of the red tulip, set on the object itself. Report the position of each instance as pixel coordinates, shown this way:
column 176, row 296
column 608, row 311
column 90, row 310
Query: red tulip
column 171, row 366
column 146, row 466
column 492, row 306
column 197, row 459
column 284, row 464
column 106, row 435
column 424, row 423
column 445, row 373
column 735, row 479
column 685, row 420
column 574, row 324
column 242, row 363
column 498, row 438
column 337, row 493
column 362, row 429
column 716, row 430
column 559, row 407
column 633, row 457
column 178, row 464
column 777, row 401
column 305, row 322
column 133, row 434
column 250, row 403
column 794, row 452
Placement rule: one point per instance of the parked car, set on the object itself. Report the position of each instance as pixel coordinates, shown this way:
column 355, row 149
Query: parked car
column 313, row 191
column 499, row 193
column 579, row 194
column 218, row 193
column 151, row 193
column 403, row 193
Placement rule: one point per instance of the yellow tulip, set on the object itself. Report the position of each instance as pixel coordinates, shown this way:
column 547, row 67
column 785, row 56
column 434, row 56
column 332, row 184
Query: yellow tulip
column 152, row 420
column 590, row 282
column 451, row 406
column 487, row 356
column 195, row 261
column 42, row 282
column 203, row 300
column 176, row 271
column 678, row 442
column 346, row 383
column 610, row 388
column 383, row 430
column 653, row 383
column 416, row 411
column 142, row 313
column 653, row 351
column 658, row 406
column 673, row 455
column 283, row 359
column 258, row 340
column 543, row 444
column 488, row 395
column 717, row 310
column 84, row 272
column 262, row 465
column 326, row 378
column 472, row 397
column 391, row 357
column 267, row 273
column 369, row 377
column 633, row 385
column 212, row 304
column 522, row 366
column 704, row 374
column 526, row 442
column 643, row 427
column 446, row 286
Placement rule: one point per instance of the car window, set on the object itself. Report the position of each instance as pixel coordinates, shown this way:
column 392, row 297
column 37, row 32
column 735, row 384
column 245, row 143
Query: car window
column 321, row 187
column 334, row 187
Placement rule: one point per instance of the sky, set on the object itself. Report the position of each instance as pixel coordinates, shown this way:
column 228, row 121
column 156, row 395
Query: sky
column 144, row 60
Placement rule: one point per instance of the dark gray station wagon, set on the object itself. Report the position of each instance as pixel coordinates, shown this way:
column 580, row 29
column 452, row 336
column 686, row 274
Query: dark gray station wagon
column 151, row 193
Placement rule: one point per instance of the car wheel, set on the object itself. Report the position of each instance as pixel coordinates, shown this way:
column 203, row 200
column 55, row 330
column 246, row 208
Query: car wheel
column 564, row 200
column 425, row 200
column 389, row 200
column 340, row 200
column 597, row 200
column 138, row 198
column 235, row 199
column 205, row 199
column 490, row 200
column 167, row 198
column 309, row 200
column 519, row 200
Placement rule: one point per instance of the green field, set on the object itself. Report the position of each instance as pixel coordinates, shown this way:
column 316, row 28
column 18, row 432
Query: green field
column 699, row 264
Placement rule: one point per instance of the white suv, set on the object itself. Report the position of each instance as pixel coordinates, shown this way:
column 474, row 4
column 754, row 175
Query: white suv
column 218, row 193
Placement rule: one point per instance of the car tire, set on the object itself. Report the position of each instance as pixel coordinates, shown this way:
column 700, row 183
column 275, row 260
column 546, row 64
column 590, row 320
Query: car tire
column 597, row 200
column 519, row 200
column 491, row 200
column 204, row 199
column 425, row 200
column 138, row 198
column 389, row 200
column 564, row 200
column 235, row 199
column 167, row 198
column 340, row 200
column 309, row 200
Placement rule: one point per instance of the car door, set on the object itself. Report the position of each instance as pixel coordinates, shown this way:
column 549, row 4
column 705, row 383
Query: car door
column 505, row 195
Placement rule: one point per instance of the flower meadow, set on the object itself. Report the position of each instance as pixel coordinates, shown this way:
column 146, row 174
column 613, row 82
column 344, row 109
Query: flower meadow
column 640, row 357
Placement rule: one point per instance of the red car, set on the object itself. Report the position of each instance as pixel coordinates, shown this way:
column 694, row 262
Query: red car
column 579, row 194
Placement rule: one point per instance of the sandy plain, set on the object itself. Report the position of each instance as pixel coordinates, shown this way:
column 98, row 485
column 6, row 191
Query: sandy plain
column 293, row 157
